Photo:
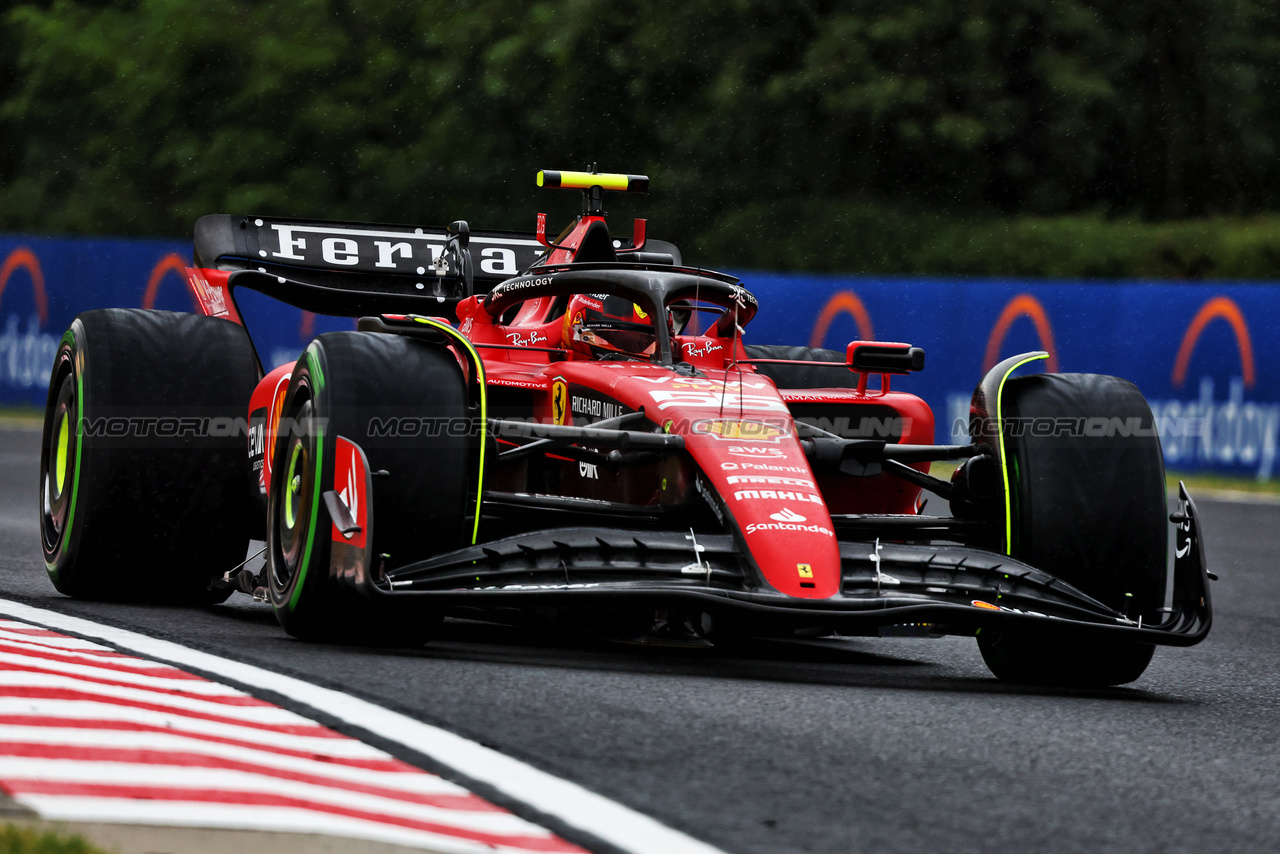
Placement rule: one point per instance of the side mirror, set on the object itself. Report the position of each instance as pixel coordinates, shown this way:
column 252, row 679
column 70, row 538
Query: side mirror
column 881, row 357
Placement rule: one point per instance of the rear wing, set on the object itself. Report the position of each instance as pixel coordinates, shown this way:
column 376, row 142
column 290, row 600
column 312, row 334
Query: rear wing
column 352, row 269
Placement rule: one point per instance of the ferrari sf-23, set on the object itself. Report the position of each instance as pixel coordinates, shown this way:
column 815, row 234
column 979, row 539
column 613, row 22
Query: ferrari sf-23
column 571, row 430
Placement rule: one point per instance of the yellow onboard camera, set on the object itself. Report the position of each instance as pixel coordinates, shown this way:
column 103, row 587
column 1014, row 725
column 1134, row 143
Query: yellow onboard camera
column 614, row 182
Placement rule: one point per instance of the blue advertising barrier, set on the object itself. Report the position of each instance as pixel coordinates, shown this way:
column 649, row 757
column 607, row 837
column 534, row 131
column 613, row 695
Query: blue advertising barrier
column 46, row 281
column 1203, row 353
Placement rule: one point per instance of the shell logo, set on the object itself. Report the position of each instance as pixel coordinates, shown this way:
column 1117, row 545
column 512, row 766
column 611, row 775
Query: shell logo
column 1023, row 305
column 1224, row 308
column 23, row 258
column 844, row 302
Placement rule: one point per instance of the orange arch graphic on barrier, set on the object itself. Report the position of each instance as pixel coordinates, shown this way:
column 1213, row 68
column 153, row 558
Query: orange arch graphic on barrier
column 27, row 260
column 171, row 263
column 1023, row 305
column 1218, row 307
column 845, row 302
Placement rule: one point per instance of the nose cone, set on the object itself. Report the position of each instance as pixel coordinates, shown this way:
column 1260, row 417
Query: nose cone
column 740, row 432
column 773, row 499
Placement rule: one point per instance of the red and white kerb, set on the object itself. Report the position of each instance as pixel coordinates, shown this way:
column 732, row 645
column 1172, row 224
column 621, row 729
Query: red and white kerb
column 91, row 734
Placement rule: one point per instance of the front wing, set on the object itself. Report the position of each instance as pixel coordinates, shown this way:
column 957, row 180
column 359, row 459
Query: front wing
column 940, row 588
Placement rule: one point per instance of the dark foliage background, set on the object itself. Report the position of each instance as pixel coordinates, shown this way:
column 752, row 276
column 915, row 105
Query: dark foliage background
column 1054, row 137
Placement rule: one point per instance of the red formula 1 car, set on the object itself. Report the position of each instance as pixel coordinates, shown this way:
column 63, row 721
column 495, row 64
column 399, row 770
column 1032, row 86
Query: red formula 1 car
column 573, row 430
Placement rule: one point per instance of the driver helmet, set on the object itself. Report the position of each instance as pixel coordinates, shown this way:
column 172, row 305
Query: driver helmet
column 604, row 325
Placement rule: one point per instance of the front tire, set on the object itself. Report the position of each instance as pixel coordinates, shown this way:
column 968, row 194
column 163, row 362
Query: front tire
column 355, row 384
column 1086, row 504
column 1030, row 658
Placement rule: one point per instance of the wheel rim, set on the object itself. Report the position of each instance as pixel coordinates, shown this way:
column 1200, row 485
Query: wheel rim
column 56, row 483
column 293, row 479
column 294, row 509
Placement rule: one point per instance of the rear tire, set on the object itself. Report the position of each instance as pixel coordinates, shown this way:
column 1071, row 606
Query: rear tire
column 145, row 489
column 343, row 384
column 1089, row 509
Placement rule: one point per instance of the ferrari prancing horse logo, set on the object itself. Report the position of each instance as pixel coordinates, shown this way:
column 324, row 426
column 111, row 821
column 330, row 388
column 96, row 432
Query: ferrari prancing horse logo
column 559, row 401
column 805, row 570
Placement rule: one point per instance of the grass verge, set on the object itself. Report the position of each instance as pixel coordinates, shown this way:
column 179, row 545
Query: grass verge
column 20, row 416
column 1209, row 483
column 26, row 840
column 1197, row 483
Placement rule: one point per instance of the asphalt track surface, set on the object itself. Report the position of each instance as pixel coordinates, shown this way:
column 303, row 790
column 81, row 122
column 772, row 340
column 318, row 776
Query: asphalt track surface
column 893, row 745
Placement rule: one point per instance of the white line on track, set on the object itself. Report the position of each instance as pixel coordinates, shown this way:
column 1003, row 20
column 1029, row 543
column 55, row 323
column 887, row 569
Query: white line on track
column 574, row 805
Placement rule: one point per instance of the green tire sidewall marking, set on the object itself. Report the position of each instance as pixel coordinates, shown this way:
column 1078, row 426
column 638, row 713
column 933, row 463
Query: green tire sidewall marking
column 1015, row 499
column 474, row 356
column 77, row 366
column 1004, row 460
column 317, row 377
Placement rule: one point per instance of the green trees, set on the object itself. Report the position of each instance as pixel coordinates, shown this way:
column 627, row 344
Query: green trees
column 137, row 117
